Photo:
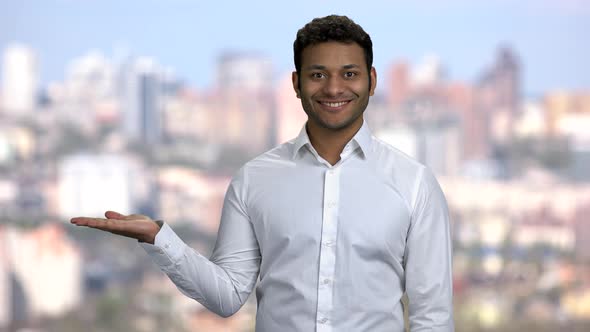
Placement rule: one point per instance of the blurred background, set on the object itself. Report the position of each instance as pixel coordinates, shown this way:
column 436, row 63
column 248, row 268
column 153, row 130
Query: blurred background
column 151, row 106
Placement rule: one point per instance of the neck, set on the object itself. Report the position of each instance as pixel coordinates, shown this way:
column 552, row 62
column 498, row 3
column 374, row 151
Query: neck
column 329, row 143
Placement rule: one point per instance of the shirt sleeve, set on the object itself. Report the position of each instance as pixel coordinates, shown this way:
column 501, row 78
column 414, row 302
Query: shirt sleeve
column 428, row 259
column 223, row 282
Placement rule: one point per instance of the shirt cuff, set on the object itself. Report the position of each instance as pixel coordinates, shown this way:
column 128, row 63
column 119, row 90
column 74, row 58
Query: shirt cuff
column 167, row 248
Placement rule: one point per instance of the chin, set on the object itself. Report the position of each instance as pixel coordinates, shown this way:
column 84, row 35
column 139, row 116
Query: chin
column 337, row 125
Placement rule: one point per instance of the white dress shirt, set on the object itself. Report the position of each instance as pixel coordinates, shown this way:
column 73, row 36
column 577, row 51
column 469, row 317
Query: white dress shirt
column 334, row 247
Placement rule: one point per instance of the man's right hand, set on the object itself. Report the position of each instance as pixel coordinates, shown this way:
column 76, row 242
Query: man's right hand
column 135, row 226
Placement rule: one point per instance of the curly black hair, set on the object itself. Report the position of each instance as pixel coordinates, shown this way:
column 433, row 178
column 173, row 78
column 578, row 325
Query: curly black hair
column 332, row 28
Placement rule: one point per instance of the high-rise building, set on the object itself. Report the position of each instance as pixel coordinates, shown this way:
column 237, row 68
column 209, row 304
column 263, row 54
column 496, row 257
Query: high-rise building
column 19, row 80
column 499, row 96
column 144, row 88
column 506, row 76
column 246, row 101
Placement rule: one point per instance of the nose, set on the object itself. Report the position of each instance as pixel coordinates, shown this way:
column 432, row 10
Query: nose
column 334, row 86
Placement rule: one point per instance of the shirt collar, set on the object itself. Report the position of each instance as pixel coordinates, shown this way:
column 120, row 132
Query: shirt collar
column 361, row 139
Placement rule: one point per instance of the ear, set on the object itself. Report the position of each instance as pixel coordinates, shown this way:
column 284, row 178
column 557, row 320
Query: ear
column 373, row 74
column 295, row 80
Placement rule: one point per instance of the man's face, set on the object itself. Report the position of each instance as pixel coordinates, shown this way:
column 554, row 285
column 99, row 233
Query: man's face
column 334, row 85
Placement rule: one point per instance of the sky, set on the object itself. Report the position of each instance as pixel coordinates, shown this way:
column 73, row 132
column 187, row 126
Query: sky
column 549, row 36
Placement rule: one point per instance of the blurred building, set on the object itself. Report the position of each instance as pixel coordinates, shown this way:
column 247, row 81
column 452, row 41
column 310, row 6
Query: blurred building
column 159, row 295
column 192, row 128
column 380, row 115
column 144, row 89
column 5, row 289
column 399, row 85
column 542, row 227
column 576, row 304
column 290, row 115
column 516, row 197
column 89, row 93
column 245, row 101
column 435, row 144
column 9, row 193
column 20, row 79
column 499, row 96
column 568, row 116
column 89, row 185
column 44, row 273
column 422, row 98
column 582, row 232
column 440, row 146
column 189, row 117
column 532, row 122
column 402, row 137
column 461, row 100
column 244, row 72
column 17, row 144
column 427, row 73
column 192, row 196
column 562, row 104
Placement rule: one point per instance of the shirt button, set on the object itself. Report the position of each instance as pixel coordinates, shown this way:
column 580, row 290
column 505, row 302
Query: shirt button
column 328, row 243
column 326, row 281
column 167, row 246
column 323, row 320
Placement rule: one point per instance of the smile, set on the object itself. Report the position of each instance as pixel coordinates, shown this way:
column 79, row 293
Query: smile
column 334, row 104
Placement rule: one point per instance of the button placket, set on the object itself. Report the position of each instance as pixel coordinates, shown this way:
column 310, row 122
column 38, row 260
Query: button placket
column 327, row 254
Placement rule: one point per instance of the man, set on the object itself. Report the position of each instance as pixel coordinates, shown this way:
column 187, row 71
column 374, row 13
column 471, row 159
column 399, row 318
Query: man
column 335, row 223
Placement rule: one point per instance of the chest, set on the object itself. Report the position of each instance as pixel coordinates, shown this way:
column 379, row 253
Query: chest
column 372, row 216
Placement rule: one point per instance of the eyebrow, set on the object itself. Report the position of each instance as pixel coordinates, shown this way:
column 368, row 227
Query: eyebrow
column 322, row 67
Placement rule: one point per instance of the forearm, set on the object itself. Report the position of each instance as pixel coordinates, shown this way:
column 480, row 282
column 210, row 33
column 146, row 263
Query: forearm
column 213, row 284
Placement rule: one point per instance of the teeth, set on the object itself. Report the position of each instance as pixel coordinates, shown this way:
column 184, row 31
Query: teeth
column 335, row 104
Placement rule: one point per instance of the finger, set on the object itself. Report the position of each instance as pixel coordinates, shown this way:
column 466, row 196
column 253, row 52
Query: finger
column 136, row 216
column 84, row 221
column 114, row 215
column 80, row 221
column 137, row 228
column 98, row 223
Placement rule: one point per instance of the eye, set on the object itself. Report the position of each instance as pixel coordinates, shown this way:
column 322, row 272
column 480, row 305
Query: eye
column 317, row 75
column 349, row 74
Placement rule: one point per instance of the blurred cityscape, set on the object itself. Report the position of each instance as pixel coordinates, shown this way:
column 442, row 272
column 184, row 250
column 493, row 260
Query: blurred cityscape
column 126, row 134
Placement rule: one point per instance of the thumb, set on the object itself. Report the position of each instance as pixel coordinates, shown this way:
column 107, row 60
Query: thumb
column 113, row 215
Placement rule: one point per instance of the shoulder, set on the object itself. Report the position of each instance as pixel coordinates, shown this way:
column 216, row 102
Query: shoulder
column 264, row 164
column 411, row 178
column 395, row 162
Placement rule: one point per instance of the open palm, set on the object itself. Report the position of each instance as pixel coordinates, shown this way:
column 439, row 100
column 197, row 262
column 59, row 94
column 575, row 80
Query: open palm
column 135, row 226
